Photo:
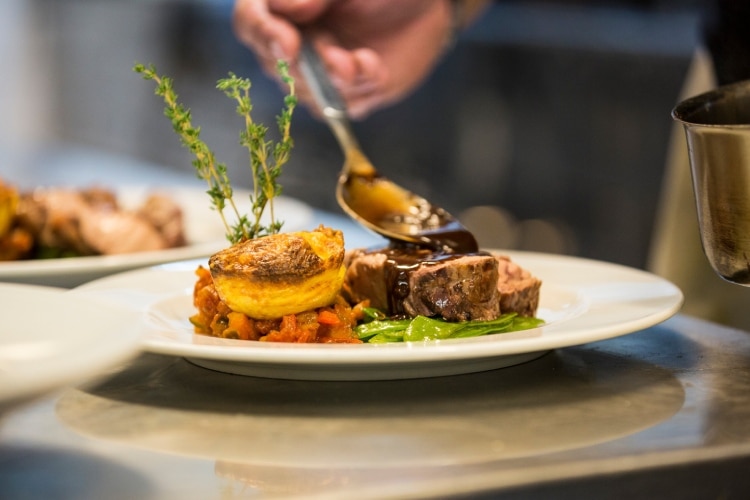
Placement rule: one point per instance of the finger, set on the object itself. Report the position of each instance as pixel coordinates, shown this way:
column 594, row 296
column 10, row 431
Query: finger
column 370, row 72
column 339, row 63
column 352, row 69
column 360, row 76
column 269, row 36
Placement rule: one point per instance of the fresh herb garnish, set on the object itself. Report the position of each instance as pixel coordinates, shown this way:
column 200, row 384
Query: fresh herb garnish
column 266, row 157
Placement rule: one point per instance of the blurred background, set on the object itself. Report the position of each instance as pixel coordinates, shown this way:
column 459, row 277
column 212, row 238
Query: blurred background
column 546, row 128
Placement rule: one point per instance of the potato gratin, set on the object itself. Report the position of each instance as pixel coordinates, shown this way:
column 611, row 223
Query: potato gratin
column 283, row 287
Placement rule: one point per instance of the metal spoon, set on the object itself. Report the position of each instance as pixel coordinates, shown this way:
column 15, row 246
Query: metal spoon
column 369, row 198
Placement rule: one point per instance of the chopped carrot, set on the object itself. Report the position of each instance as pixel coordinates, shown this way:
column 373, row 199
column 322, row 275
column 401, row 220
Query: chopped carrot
column 326, row 317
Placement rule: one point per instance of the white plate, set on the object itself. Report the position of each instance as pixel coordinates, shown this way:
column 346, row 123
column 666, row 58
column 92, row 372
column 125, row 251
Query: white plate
column 203, row 228
column 581, row 301
column 50, row 339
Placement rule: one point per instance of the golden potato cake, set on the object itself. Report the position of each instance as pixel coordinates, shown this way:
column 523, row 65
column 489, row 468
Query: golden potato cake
column 280, row 274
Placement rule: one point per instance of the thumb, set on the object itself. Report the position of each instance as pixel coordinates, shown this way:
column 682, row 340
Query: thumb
column 270, row 35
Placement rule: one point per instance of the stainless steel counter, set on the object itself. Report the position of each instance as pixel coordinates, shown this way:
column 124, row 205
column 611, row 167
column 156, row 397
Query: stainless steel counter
column 664, row 412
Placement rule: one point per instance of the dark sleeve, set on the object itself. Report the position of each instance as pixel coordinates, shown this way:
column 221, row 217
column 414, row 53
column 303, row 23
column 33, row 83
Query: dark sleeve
column 726, row 31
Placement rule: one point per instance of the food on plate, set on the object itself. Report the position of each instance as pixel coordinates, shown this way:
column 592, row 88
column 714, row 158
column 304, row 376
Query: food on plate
column 15, row 243
column 456, row 287
column 283, row 287
column 287, row 273
column 304, row 287
column 53, row 222
column 332, row 323
column 8, row 203
column 371, row 296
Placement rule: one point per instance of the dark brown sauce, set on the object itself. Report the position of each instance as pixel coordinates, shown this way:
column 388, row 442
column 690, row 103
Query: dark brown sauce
column 449, row 240
column 402, row 259
column 434, row 228
column 440, row 238
column 453, row 238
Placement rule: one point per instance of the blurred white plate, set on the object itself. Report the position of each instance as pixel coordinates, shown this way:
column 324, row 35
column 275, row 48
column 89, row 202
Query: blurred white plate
column 581, row 301
column 50, row 339
column 203, row 227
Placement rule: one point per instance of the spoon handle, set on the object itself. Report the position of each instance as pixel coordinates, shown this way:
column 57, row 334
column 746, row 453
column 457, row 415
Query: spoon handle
column 327, row 97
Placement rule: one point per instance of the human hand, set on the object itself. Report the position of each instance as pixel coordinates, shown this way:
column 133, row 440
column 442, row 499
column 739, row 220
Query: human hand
column 376, row 52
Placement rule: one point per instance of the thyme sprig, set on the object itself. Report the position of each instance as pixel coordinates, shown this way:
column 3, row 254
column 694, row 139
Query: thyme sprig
column 266, row 156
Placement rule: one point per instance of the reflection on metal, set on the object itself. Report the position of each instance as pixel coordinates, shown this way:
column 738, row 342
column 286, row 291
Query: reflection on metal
column 717, row 126
column 255, row 428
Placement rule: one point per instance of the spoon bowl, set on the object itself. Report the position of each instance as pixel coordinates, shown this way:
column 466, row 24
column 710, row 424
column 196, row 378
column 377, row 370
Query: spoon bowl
column 370, row 198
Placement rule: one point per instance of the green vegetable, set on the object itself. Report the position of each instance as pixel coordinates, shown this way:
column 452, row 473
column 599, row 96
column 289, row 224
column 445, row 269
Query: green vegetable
column 385, row 328
column 266, row 157
column 371, row 314
column 45, row 252
column 422, row 328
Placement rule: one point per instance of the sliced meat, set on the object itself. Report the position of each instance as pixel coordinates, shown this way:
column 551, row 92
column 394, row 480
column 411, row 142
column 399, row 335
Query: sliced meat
column 365, row 278
column 518, row 288
column 110, row 233
column 53, row 215
column 90, row 222
column 100, row 198
column 460, row 288
column 165, row 215
column 466, row 287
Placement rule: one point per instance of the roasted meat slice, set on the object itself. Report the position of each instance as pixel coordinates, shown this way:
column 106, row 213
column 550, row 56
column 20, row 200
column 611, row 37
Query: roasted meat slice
column 163, row 213
column 85, row 222
column 518, row 288
column 90, row 222
column 462, row 287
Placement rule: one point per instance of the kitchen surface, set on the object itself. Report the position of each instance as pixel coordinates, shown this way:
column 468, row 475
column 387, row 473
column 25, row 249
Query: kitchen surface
column 546, row 131
column 661, row 413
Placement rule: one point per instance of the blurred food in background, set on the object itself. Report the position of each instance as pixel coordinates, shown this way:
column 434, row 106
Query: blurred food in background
column 58, row 222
